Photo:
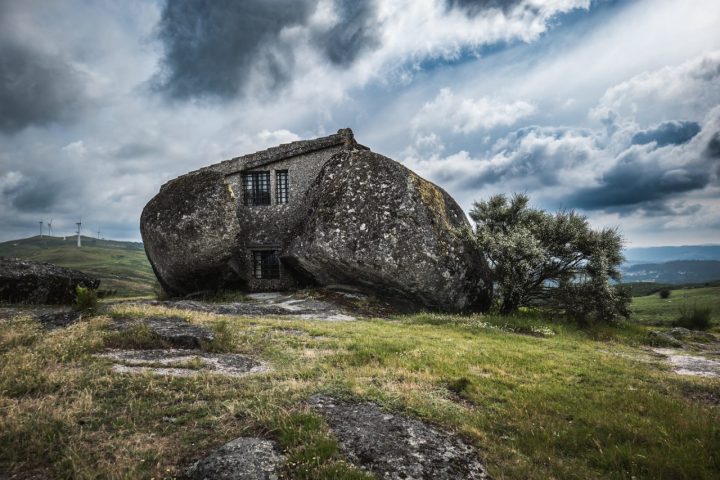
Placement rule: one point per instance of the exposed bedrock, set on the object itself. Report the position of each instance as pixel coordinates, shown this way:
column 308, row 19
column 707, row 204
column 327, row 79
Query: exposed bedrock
column 372, row 222
column 25, row 281
column 190, row 231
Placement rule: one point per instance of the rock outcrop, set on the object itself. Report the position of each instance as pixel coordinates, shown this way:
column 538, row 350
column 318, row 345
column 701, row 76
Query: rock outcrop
column 374, row 223
column 395, row 446
column 353, row 217
column 246, row 457
column 24, row 281
column 190, row 231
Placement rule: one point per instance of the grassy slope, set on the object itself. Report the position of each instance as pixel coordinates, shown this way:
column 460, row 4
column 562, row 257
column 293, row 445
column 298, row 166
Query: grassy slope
column 579, row 404
column 120, row 266
column 652, row 309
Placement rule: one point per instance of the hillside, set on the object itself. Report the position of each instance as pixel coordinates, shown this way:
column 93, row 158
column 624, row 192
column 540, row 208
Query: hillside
column 674, row 272
column 121, row 266
column 653, row 310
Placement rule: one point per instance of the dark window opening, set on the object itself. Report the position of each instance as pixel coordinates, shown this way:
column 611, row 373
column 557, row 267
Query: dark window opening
column 266, row 264
column 256, row 188
column 281, row 187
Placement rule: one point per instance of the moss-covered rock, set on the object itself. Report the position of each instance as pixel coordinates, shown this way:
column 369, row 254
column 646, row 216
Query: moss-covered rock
column 373, row 223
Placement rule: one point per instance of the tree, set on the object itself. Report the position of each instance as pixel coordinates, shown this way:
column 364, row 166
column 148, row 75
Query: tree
column 537, row 258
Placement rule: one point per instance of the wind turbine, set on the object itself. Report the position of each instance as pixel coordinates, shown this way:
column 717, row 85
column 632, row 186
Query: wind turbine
column 79, row 224
column 49, row 225
column 40, row 222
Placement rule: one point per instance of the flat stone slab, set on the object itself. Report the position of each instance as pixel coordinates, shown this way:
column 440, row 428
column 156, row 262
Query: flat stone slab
column 394, row 446
column 684, row 364
column 243, row 458
column 267, row 304
column 182, row 363
column 175, row 330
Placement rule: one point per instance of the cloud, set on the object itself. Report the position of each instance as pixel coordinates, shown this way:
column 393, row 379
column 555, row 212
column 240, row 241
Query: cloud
column 213, row 47
column 468, row 115
column 640, row 175
column 667, row 133
column 475, row 7
column 224, row 49
column 687, row 91
column 355, row 31
column 37, row 86
column 593, row 170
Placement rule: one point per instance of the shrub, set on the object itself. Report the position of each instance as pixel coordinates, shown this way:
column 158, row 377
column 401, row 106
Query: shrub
column 85, row 298
column 695, row 318
column 665, row 293
column 557, row 261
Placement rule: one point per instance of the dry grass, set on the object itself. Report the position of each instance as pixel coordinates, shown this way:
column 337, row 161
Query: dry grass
column 562, row 406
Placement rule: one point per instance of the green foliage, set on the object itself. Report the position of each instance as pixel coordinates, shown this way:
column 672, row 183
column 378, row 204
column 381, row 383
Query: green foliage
column 695, row 318
column 537, row 258
column 85, row 298
column 665, row 293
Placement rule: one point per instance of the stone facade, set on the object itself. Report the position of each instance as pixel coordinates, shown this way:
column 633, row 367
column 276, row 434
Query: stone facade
column 261, row 227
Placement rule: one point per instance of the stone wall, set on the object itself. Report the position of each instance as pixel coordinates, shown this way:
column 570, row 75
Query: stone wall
column 269, row 226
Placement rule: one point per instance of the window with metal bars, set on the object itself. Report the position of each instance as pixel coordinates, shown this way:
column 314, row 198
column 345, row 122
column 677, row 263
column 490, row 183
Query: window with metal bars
column 256, row 188
column 266, row 264
column 281, row 187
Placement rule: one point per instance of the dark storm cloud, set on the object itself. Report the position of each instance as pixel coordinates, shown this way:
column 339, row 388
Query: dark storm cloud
column 474, row 7
column 34, row 194
column 712, row 149
column 212, row 46
column 354, row 33
column 667, row 133
column 634, row 180
column 35, row 88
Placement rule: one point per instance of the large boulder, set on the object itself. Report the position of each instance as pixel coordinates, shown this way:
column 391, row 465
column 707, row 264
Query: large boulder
column 374, row 223
column 190, row 230
column 24, row 281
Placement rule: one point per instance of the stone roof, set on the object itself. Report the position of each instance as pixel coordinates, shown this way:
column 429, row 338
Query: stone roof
column 344, row 137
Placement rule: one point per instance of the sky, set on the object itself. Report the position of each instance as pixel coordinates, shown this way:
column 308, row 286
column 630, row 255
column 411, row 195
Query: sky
column 608, row 107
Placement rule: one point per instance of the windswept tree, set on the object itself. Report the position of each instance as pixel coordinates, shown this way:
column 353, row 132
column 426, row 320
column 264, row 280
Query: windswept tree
column 559, row 261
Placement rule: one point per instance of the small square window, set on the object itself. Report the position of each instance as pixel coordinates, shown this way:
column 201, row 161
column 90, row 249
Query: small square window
column 281, row 187
column 256, row 188
column 266, row 264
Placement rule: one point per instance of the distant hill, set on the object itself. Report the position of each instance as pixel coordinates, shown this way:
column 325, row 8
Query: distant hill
column 667, row 254
column 120, row 266
column 675, row 272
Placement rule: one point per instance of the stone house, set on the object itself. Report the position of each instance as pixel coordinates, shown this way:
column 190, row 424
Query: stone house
column 322, row 212
column 269, row 187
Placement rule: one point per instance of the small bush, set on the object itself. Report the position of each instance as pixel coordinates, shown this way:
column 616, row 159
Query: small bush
column 85, row 298
column 224, row 340
column 695, row 318
column 665, row 293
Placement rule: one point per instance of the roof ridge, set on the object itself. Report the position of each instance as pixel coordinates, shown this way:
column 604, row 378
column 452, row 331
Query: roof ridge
column 287, row 150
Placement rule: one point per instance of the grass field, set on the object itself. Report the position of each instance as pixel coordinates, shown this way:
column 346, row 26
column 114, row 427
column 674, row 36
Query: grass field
column 120, row 266
column 582, row 404
column 653, row 310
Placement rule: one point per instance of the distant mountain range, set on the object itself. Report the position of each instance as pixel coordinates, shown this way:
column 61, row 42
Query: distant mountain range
column 667, row 254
